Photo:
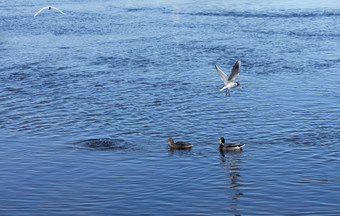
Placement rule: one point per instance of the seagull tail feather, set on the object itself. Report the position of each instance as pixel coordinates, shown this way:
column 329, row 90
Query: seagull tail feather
column 223, row 88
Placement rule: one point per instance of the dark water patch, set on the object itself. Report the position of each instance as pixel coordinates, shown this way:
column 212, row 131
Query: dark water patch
column 294, row 34
column 103, row 144
column 265, row 14
column 314, row 34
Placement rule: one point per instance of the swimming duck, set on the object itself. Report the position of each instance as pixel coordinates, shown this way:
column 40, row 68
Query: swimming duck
column 229, row 82
column 229, row 146
column 178, row 145
column 49, row 8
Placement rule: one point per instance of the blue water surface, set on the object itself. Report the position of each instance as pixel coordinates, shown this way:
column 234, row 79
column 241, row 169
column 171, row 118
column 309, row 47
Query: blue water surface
column 88, row 100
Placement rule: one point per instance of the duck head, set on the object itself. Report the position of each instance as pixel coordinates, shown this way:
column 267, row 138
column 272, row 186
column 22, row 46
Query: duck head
column 222, row 143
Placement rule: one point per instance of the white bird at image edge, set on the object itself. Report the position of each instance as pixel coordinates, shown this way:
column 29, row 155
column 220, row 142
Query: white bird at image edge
column 49, row 8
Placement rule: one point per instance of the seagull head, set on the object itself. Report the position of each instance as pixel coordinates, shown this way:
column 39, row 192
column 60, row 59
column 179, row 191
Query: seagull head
column 238, row 84
column 49, row 7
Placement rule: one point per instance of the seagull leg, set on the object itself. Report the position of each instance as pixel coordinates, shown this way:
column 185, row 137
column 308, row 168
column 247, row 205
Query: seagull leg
column 227, row 92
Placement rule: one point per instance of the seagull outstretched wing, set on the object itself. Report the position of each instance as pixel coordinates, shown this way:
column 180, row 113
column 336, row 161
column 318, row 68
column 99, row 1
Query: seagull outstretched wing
column 235, row 71
column 40, row 10
column 223, row 76
column 58, row 10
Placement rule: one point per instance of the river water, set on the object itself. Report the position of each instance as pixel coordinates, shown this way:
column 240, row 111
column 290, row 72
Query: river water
column 88, row 100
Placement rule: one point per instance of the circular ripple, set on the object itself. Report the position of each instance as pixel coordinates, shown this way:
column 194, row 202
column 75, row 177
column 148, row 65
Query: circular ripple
column 103, row 144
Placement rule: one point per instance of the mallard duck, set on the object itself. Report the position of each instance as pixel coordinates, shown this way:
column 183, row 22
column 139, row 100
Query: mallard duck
column 229, row 82
column 229, row 146
column 178, row 145
column 49, row 8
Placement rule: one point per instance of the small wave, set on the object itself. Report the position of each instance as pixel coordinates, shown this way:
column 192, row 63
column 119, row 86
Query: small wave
column 143, row 9
column 136, row 9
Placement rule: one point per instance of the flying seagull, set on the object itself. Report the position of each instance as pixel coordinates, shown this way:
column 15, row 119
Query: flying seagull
column 49, row 8
column 230, row 82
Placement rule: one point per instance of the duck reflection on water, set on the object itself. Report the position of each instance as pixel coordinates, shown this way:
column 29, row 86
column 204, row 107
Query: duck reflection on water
column 232, row 159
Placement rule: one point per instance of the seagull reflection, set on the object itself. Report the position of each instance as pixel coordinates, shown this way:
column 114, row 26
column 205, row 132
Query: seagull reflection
column 232, row 159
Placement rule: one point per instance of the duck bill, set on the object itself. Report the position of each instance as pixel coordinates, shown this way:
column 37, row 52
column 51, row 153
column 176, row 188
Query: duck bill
column 219, row 141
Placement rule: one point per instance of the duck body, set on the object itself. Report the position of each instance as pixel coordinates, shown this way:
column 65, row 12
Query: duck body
column 178, row 145
column 230, row 146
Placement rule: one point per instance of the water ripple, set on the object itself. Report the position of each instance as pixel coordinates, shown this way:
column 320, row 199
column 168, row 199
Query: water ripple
column 88, row 101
